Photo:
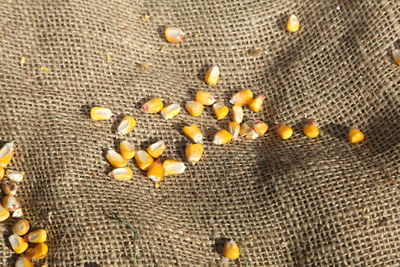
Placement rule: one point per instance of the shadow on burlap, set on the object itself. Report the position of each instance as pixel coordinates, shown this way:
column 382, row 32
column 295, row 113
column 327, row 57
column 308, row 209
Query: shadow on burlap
column 301, row 202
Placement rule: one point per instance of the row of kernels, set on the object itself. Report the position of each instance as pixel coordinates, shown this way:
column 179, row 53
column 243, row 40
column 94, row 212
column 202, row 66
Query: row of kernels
column 20, row 244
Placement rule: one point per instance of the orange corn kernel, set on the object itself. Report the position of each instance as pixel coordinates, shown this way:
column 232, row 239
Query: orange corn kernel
column 23, row 262
column 115, row 159
column 100, row 113
column 212, row 76
column 21, row 227
column 260, row 127
column 256, row 103
column 4, row 213
column 38, row 252
column 293, row 24
column 18, row 244
column 193, row 133
column 194, row 152
column 155, row 150
column 242, row 98
column 311, row 129
column 231, row 250
column 222, row 137
column 6, row 154
column 143, row 160
column 220, row 110
column 234, row 129
column 206, row 98
column 284, row 132
column 174, row 35
column 153, row 105
column 173, row 167
column 355, row 136
column 170, row 111
column 124, row 173
column 37, row 236
column 194, row 108
column 396, row 56
column 156, row 171
column 127, row 150
column 126, row 125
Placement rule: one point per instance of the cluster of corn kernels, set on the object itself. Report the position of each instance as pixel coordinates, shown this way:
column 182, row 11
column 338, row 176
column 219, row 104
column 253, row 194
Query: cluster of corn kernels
column 9, row 183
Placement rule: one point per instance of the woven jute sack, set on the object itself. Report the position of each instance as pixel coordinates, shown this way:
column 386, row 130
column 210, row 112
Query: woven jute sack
column 300, row 202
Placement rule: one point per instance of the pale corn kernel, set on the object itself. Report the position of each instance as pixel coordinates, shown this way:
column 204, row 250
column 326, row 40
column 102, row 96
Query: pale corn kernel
column 212, row 75
column 15, row 176
column 4, row 213
column 234, row 129
column 18, row 213
column 293, row 24
column 100, row 113
column 156, row 171
column 6, row 154
column 9, row 187
column 311, row 129
column 284, row 132
column 194, row 152
column 355, row 136
column 220, row 110
column 155, row 150
column 174, row 35
column 115, row 159
column 127, row 150
column 193, row 133
column 256, row 103
column 124, row 173
column 242, row 98
column 11, row 203
column 126, row 125
column 222, row 137
column 23, row 262
column 170, row 111
column 396, row 56
column 206, row 98
column 231, row 250
column 153, row 105
column 260, row 127
column 18, row 244
column 38, row 252
column 237, row 114
column 21, row 227
column 173, row 167
column 37, row 236
column 194, row 108
column 143, row 160
column 2, row 172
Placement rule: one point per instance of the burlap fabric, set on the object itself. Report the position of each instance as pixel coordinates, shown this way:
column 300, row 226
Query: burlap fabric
column 300, row 202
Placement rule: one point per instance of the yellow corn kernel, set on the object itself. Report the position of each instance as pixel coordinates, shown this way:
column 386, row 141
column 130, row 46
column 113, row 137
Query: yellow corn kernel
column 11, row 203
column 311, row 129
column 242, row 98
column 126, row 125
column 256, row 103
column 231, row 250
column 222, row 137
column 44, row 68
column 174, row 35
column 2, row 172
column 37, row 236
column 284, row 132
column 220, row 110
column 18, row 213
column 156, row 171
column 193, row 133
column 38, row 252
column 21, row 227
column 194, row 152
column 22, row 60
column 18, row 244
column 355, row 136
column 124, row 173
column 9, row 187
column 115, row 159
column 4, row 213
column 127, row 150
column 6, row 153
column 154, row 105
column 247, row 131
column 194, row 108
column 260, row 127
column 173, row 167
column 155, row 150
column 293, row 24
column 15, row 176
column 206, row 98
column 234, row 129
column 396, row 56
column 212, row 75
column 143, row 160
column 237, row 114
column 23, row 262
column 100, row 113
column 170, row 111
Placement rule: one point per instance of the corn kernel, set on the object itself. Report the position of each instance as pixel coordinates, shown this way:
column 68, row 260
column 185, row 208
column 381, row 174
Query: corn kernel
column 247, row 131
column 115, row 159
column 22, row 60
column 222, row 137
column 156, row 171
column 44, row 68
column 157, row 185
column 311, row 129
column 126, row 125
column 234, row 129
column 231, row 250
column 206, row 98
column 193, row 133
column 260, row 127
column 15, row 176
column 154, row 105
column 242, row 98
column 284, row 132
column 18, row 213
column 38, row 252
column 194, row 152
column 9, row 187
column 124, row 173
column 396, row 56
column 293, row 24
column 155, row 150
column 2, row 172
column 100, row 113
column 173, row 167
column 194, row 108
column 127, row 150
column 11, row 203
column 143, row 160
column 256, row 103
column 21, row 227
column 212, row 75
column 23, row 262
column 4, row 213
column 37, row 236
column 355, row 136
column 220, row 110
column 170, row 111
column 6, row 153
column 174, row 34
column 237, row 114
column 18, row 244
